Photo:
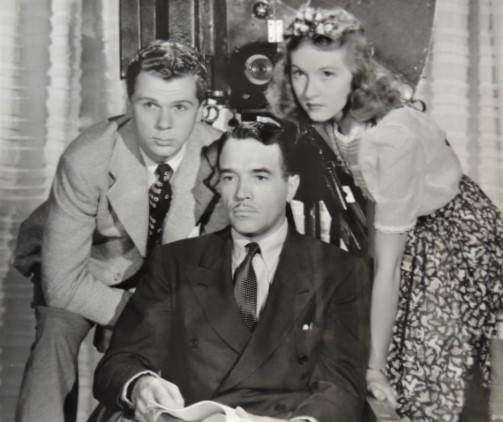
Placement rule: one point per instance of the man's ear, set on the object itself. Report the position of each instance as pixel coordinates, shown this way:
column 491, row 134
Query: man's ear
column 293, row 185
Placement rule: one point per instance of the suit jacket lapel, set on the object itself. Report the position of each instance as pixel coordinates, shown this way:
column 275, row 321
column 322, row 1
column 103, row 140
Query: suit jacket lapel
column 128, row 195
column 205, row 190
column 212, row 285
column 184, row 211
column 290, row 292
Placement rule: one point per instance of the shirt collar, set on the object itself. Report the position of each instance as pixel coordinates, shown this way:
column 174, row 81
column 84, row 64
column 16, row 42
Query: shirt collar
column 270, row 246
column 174, row 161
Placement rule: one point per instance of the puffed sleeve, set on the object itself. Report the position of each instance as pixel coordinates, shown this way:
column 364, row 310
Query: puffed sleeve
column 392, row 162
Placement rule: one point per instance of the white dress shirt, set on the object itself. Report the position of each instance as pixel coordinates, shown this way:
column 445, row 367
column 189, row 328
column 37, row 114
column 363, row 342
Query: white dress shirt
column 173, row 161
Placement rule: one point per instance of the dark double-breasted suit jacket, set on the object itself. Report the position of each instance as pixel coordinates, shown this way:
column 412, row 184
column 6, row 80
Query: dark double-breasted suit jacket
column 303, row 357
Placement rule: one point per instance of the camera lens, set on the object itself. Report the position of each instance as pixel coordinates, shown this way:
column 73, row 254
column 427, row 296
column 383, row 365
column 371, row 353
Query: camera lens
column 258, row 69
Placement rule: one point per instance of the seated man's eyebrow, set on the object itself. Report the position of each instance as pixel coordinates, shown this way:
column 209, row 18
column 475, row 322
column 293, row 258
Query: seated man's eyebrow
column 183, row 102
column 146, row 98
column 262, row 170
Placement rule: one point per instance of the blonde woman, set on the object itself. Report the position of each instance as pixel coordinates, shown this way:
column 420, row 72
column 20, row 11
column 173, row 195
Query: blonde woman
column 439, row 239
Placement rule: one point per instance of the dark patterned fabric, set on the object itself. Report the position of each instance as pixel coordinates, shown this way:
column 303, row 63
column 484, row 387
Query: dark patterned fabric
column 245, row 287
column 451, row 288
column 159, row 198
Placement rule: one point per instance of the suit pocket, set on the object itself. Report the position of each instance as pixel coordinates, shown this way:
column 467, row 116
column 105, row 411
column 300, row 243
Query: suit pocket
column 307, row 343
column 114, row 261
column 103, row 272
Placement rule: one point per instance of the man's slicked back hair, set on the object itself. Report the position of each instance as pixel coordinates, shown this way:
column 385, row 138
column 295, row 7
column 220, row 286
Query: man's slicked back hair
column 268, row 134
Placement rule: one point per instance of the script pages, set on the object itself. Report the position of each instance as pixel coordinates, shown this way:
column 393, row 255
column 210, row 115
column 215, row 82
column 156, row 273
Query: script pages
column 203, row 411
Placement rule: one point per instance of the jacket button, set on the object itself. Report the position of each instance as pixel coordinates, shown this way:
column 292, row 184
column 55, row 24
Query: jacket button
column 194, row 343
column 280, row 407
column 302, row 359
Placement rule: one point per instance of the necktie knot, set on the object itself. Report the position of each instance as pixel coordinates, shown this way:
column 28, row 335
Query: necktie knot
column 163, row 172
column 253, row 248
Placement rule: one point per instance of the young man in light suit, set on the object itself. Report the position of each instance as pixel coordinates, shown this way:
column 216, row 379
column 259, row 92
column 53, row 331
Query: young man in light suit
column 256, row 315
column 93, row 234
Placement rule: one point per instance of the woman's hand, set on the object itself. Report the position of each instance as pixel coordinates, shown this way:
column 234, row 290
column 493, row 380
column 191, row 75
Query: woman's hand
column 379, row 387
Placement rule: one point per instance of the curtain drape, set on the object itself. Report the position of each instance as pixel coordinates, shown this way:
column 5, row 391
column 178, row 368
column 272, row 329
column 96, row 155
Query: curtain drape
column 59, row 73
column 463, row 86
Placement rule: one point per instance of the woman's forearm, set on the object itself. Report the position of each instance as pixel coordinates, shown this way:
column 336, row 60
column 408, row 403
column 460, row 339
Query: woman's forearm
column 385, row 291
column 384, row 305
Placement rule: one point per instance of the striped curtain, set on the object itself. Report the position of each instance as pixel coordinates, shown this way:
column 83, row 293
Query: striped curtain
column 59, row 72
column 463, row 86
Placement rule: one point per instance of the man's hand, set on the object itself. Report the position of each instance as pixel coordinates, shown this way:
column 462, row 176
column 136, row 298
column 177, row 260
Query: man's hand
column 253, row 418
column 379, row 386
column 149, row 390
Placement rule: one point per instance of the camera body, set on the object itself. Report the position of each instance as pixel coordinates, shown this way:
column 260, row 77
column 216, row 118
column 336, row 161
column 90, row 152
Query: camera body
column 240, row 39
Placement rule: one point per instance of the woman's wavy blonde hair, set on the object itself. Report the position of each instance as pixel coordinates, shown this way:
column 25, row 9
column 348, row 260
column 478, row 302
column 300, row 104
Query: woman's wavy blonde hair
column 374, row 90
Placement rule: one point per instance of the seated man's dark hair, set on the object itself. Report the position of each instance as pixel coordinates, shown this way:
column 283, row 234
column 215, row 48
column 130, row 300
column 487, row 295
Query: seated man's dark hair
column 267, row 133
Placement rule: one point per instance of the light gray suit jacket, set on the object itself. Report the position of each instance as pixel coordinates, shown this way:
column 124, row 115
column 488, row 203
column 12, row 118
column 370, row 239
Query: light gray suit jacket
column 94, row 225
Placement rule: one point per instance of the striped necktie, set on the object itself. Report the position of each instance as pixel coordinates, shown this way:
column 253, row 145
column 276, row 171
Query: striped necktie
column 159, row 198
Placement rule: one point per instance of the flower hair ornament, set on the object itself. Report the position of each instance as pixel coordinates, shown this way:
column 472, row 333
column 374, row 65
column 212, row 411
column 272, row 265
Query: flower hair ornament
column 315, row 22
column 398, row 31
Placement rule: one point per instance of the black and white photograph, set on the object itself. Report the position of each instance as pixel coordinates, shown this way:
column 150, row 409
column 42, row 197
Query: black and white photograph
column 251, row 211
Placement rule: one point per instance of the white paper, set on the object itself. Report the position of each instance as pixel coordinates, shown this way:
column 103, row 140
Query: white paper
column 207, row 411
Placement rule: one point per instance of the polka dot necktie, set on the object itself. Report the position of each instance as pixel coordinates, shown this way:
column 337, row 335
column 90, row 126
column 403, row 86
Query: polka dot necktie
column 245, row 287
column 159, row 198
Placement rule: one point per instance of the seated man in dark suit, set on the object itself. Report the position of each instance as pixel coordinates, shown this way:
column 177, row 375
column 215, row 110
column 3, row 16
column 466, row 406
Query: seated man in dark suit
column 256, row 316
